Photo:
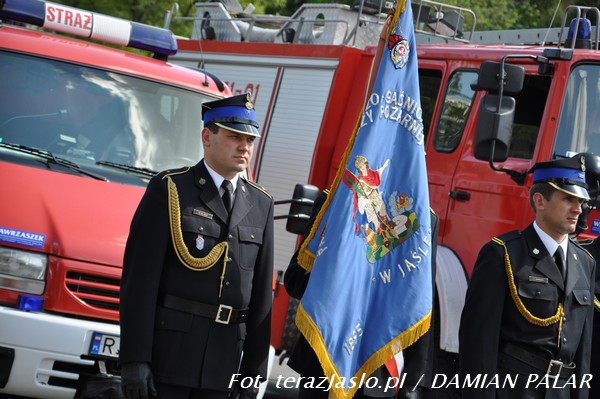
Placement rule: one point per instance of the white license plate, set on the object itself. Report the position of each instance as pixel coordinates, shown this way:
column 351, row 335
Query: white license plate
column 105, row 345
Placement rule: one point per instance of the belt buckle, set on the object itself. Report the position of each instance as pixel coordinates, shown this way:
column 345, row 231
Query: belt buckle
column 225, row 320
column 551, row 366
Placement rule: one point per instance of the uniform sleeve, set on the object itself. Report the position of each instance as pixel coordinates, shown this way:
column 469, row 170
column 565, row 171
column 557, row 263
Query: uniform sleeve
column 481, row 318
column 419, row 356
column 582, row 358
column 296, row 277
column 145, row 251
column 258, row 326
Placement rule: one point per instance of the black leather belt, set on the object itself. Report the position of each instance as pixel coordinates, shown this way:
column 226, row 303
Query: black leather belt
column 223, row 314
column 550, row 367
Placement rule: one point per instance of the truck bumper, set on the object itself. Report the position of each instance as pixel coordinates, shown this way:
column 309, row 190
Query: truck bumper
column 48, row 352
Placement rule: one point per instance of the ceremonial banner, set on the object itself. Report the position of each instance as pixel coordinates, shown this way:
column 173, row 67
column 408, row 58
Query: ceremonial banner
column 369, row 252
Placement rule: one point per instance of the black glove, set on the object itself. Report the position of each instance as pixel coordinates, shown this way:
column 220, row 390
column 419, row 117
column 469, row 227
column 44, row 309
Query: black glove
column 137, row 381
column 244, row 393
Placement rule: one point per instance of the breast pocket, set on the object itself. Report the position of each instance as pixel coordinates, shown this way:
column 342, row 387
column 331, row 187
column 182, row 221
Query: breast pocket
column 540, row 299
column 199, row 234
column 251, row 239
column 583, row 297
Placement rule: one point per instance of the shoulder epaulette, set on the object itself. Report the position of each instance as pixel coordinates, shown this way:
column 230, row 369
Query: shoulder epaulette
column 583, row 243
column 580, row 245
column 171, row 172
column 326, row 191
column 506, row 237
column 256, row 186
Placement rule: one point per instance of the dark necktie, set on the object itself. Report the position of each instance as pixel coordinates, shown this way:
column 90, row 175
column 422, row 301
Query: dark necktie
column 558, row 259
column 227, row 194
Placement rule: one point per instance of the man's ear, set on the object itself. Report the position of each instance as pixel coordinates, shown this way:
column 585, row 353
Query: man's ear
column 206, row 136
column 539, row 201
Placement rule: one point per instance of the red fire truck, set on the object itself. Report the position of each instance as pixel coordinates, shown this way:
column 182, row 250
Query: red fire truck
column 83, row 127
column 490, row 111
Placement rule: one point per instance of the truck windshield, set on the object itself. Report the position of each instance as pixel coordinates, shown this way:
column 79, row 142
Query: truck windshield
column 96, row 118
column 579, row 127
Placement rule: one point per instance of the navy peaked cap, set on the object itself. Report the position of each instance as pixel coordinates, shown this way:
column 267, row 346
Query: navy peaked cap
column 567, row 175
column 234, row 113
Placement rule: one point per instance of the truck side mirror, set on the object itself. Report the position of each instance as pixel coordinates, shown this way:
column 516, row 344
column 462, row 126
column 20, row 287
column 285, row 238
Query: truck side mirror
column 494, row 128
column 301, row 206
column 490, row 76
column 496, row 114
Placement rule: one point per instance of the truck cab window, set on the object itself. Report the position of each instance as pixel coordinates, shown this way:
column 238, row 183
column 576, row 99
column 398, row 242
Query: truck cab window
column 430, row 81
column 531, row 102
column 455, row 110
column 579, row 125
column 91, row 116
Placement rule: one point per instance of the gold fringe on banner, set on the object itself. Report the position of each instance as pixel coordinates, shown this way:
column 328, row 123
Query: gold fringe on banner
column 306, row 258
column 312, row 334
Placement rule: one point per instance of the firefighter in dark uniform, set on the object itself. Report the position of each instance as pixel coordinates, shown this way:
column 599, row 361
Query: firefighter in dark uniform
column 523, row 320
column 197, row 278
column 593, row 246
column 592, row 164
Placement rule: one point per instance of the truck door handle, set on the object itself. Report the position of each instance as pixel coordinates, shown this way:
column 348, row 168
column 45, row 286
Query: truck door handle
column 460, row 195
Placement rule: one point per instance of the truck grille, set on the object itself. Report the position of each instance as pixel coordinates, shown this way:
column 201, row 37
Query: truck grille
column 96, row 291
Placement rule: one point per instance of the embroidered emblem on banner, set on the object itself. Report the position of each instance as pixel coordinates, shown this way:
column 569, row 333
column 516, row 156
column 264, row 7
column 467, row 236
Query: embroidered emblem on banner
column 399, row 50
column 384, row 230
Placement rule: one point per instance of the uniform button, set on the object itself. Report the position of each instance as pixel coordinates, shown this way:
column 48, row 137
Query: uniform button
column 201, row 228
column 229, row 259
column 252, row 236
column 227, row 283
column 230, row 236
column 585, row 297
column 564, row 340
column 538, row 293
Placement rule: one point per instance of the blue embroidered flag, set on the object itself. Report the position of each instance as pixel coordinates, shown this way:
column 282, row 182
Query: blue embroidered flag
column 369, row 253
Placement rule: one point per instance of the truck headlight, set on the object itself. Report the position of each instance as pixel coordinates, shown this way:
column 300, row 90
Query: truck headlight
column 22, row 271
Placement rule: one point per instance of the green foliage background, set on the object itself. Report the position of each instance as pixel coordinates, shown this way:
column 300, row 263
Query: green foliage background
column 491, row 14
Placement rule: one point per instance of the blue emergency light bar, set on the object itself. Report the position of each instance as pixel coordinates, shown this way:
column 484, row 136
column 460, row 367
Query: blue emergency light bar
column 91, row 25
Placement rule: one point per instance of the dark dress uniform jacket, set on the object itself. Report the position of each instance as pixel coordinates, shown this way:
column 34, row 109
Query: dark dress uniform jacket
column 490, row 318
column 183, row 348
column 593, row 246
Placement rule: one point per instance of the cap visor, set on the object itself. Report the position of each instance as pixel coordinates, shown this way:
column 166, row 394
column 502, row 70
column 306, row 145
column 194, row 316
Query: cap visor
column 571, row 189
column 240, row 128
